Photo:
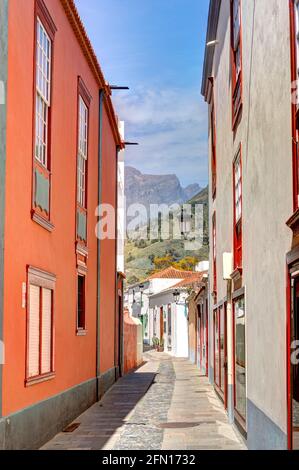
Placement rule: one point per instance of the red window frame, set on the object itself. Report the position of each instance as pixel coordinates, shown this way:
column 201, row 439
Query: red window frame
column 84, row 94
column 213, row 144
column 214, row 240
column 207, row 336
column 42, row 14
column 41, row 279
column 294, row 106
column 237, row 71
column 237, row 220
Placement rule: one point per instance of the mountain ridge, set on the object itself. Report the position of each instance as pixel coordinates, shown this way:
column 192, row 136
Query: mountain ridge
column 149, row 189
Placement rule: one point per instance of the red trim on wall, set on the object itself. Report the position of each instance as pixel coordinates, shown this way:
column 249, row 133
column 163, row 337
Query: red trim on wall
column 237, row 85
column 213, row 140
column 294, row 110
column 237, row 235
column 288, row 359
column 214, row 241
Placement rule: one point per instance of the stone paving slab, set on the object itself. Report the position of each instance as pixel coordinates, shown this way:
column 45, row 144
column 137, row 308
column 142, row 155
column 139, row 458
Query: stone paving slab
column 152, row 409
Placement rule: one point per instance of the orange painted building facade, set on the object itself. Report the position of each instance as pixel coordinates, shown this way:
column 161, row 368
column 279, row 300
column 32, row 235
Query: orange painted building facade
column 59, row 281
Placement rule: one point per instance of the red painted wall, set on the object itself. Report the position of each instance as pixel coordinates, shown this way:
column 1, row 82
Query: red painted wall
column 130, row 343
column 26, row 243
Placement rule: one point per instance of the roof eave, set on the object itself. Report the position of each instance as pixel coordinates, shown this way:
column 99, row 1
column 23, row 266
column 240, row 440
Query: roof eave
column 88, row 51
column 213, row 18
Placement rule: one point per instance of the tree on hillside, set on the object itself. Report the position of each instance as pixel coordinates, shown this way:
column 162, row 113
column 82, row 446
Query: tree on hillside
column 186, row 264
column 163, row 262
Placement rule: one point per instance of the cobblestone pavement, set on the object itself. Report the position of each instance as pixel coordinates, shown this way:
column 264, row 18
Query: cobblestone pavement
column 165, row 404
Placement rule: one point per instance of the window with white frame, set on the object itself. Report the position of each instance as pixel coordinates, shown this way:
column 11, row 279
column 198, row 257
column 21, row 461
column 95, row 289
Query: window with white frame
column 43, row 93
column 238, row 188
column 82, row 152
column 40, row 325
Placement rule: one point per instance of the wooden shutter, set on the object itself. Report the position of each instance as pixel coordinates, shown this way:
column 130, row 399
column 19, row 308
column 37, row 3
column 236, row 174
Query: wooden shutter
column 46, row 332
column 33, row 331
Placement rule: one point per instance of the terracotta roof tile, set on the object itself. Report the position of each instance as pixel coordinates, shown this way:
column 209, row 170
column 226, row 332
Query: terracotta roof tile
column 196, row 278
column 172, row 273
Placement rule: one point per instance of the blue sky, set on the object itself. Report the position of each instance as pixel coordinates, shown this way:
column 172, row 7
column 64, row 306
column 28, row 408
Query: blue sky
column 155, row 47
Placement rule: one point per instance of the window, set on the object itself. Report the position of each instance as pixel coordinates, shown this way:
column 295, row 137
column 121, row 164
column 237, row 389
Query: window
column 43, row 93
column 84, row 101
column 237, row 181
column 294, row 29
column 81, row 303
column 82, row 152
column 213, row 148
column 214, row 253
column 236, row 52
column 40, row 325
column 240, row 357
column 238, row 188
column 42, row 97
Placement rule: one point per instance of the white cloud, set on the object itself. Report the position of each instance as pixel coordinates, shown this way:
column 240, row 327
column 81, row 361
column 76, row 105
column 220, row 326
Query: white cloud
column 171, row 128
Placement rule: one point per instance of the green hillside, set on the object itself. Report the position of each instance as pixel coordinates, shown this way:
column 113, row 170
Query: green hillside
column 139, row 254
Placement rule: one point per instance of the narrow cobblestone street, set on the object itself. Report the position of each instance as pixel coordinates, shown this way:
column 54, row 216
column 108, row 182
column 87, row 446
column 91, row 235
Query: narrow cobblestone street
column 164, row 405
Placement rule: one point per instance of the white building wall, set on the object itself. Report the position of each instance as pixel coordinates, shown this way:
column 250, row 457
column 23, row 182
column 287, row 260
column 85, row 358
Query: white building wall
column 121, row 233
column 179, row 321
column 265, row 135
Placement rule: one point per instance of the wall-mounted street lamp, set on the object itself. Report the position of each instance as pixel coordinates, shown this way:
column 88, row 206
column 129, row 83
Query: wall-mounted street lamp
column 176, row 296
column 212, row 43
column 117, row 87
column 141, row 289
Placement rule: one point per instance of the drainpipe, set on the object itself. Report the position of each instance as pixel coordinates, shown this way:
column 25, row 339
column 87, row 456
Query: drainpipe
column 116, row 300
column 98, row 371
column 120, row 317
column 3, row 113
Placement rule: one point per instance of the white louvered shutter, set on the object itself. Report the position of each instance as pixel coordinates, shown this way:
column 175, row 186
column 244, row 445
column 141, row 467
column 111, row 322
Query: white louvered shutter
column 46, row 331
column 33, row 334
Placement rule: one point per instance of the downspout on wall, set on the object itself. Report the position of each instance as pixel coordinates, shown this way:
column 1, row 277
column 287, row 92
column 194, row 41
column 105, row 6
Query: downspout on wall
column 3, row 111
column 116, row 299
column 101, row 97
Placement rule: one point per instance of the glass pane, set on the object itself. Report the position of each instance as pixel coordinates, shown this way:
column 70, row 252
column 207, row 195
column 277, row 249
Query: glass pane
column 222, row 348
column 295, row 372
column 236, row 20
column 216, row 339
column 81, row 303
column 240, row 357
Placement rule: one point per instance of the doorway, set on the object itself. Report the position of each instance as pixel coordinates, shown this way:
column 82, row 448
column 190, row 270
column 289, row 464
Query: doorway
column 161, row 326
column 169, row 328
column 220, row 352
